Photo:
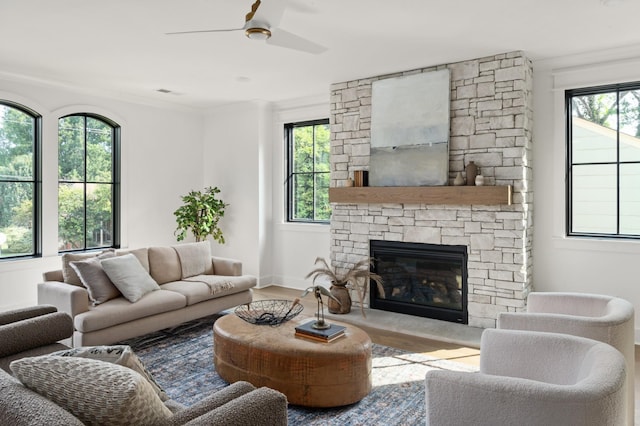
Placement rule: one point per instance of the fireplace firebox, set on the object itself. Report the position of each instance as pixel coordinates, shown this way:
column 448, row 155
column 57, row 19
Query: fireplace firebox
column 427, row 280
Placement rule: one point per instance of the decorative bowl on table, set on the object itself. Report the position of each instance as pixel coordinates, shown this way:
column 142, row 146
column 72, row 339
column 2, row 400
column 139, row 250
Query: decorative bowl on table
column 269, row 312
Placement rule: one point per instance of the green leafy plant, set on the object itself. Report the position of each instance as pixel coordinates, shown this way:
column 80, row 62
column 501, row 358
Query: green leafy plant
column 200, row 213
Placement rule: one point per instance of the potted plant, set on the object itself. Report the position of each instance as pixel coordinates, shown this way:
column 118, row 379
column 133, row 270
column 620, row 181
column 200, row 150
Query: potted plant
column 200, row 213
column 355, row 278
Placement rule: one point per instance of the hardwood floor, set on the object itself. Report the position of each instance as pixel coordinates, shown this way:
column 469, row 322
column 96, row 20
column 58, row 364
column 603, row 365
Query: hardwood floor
column 407, row 342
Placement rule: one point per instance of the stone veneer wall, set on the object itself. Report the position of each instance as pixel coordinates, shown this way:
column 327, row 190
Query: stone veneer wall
column 491, row 124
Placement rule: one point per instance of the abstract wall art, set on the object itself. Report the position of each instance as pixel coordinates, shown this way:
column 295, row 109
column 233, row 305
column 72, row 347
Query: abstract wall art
column 410, row 130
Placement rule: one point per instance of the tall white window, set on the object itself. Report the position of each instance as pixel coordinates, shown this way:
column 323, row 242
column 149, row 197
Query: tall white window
column 88, row 182
column 308, row 149
column 20, row 185
column 603, row 161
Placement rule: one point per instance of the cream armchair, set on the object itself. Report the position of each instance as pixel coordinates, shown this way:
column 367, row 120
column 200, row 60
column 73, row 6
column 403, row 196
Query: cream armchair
column 604, row 318
column 531, row 378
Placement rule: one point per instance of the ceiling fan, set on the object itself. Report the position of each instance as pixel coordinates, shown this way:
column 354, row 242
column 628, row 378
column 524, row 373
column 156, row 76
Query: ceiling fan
column 261, row 23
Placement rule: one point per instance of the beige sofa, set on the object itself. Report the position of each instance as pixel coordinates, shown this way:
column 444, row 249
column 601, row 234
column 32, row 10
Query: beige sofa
column 179, row 283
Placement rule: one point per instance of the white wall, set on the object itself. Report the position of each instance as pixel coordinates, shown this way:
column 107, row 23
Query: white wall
column 573, row 264
column 161, row 151
column 245, row 156
column 295, row 246
column 232, row 142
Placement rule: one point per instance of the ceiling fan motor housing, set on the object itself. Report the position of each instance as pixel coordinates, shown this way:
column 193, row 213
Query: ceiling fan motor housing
column 257, row 32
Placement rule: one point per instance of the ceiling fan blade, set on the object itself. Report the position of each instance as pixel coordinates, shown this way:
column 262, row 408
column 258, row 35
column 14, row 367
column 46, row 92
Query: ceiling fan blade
column 206, row 31
column 288, row 40
column 268, row 12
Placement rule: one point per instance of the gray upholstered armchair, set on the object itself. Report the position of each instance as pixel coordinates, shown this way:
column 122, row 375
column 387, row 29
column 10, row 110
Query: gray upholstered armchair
column 26, row 334
column 32, row 331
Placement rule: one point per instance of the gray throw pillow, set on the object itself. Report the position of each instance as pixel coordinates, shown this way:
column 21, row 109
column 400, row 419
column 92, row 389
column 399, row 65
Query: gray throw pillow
column 96, row 392
column 68, row 274
column 129, row 276
column 94, row 278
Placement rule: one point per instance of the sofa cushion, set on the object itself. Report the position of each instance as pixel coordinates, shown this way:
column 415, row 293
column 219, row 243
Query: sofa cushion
column 96, row 392
column 164, row 264
column 142, row 254
column 20, row 406
column 116, row 354
column 95, row 280
column 204, row 287
column 129, row 276
column 119, row 311
column 68, row 274
column 195, row 259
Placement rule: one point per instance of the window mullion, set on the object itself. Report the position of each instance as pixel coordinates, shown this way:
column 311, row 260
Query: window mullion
column 84, row 184
column 617, row 162
column 313, row 171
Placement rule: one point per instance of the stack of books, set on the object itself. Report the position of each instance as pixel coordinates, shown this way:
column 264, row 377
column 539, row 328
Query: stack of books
column 330, row 334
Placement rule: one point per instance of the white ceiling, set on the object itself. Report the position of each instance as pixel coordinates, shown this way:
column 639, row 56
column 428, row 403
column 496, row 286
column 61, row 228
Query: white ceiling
column 119, row 47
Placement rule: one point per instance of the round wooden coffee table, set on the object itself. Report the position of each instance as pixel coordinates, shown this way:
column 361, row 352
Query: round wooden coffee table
column 309, row 373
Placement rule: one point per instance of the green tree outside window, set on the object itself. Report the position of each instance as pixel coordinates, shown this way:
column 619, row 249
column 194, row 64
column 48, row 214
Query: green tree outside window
column 309, row 145
column 19, row 184
column 87, row 185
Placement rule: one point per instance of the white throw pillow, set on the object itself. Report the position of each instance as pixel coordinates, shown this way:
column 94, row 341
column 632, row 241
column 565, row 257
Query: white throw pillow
column 96, row 392
column 94, row 278
column 129, row 276
column 115, row 354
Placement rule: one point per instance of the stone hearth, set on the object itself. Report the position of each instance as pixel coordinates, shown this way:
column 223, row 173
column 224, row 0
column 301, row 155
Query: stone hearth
column 491, row 124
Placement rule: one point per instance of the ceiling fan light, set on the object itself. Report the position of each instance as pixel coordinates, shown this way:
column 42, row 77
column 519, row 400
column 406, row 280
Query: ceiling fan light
column 257, row 33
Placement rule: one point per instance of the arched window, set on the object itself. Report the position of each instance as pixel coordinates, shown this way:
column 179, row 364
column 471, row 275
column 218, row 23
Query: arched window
column 88, row 182
column 20, row 183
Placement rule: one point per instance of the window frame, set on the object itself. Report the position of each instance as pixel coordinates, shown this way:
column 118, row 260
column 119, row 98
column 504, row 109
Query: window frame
column 569, row 95
column 115, row 180
column 289, row 199
column 36, row 181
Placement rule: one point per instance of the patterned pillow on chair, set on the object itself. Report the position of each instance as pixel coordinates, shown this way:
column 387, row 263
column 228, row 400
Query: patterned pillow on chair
column 116, row 354
column 96, row 392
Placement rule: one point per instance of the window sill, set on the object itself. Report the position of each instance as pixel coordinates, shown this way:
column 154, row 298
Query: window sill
column 597, row 244
column 321, row 228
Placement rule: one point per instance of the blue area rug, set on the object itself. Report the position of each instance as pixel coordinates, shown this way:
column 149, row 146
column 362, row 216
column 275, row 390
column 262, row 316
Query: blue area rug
column 181, row 360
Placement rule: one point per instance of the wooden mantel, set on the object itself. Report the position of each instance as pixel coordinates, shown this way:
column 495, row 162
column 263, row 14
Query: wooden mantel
column 462, row 195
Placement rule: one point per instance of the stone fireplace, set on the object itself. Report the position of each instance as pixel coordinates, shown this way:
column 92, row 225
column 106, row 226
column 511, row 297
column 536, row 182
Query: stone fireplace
column 491, row 124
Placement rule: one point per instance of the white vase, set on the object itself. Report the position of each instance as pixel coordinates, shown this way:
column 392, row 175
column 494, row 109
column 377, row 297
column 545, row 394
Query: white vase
column 479, row 180
column 459, row 180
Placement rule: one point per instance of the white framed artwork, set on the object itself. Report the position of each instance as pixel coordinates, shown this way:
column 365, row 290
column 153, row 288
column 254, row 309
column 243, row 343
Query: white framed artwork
column 410, row 130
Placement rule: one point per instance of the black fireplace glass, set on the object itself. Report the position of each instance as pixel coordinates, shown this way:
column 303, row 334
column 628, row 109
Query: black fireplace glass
column 428, row 280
